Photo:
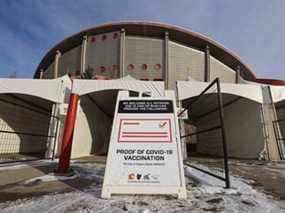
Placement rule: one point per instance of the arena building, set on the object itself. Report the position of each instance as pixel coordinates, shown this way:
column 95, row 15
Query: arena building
column 149, row 58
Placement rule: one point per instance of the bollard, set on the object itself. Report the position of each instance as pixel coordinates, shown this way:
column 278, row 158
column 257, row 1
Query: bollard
column 64, row 159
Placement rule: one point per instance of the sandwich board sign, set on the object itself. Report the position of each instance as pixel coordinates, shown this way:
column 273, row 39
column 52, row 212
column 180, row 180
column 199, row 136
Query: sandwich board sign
column 144, row 155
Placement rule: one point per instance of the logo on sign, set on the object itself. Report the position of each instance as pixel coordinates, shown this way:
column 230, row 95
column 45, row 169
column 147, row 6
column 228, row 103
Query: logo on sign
column 141, row 177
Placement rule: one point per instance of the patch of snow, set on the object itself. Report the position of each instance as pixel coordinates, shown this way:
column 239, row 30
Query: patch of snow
column 20, row 165
column 205, row 194
column 48, row 178
column 211, row 185
column 12, row 167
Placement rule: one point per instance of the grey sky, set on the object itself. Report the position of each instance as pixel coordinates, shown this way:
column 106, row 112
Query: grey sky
column 253, row 29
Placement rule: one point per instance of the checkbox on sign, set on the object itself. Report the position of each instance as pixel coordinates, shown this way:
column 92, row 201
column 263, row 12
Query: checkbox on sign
column 161, row 125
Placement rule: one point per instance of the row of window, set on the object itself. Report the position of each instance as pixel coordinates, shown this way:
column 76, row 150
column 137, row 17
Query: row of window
column 115, row 67
column 144, row 67
column 104, row 37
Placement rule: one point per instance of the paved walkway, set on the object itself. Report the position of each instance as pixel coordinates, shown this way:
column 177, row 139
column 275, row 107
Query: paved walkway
column 14, row 179
column 266, row 176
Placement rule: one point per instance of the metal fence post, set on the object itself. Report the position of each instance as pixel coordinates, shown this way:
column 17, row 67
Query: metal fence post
column 225, row 148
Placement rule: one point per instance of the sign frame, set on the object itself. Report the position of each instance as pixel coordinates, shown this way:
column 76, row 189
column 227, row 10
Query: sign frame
column 178, row 188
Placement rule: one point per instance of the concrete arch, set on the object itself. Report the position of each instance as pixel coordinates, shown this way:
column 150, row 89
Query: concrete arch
column 83, row 87
column 94, row 122
column 25, row 122
column 188, row 89
column 242, row 120
column 52, row 90
column 278, row 93
column 29, row 93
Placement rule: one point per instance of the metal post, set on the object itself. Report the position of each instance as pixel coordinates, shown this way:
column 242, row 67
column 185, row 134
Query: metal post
column 55, row 71
column 122, row 53
column 225, row 149
column 83, row 54
column 166, row 60
column 207, row 64
column 64, row 159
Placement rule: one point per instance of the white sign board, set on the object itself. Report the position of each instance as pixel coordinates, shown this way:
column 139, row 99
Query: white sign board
column 144, row 153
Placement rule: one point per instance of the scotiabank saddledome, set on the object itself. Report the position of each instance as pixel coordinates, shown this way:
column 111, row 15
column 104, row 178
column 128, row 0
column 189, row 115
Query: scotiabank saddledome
column 142, row 57
column 145, row 51
column 159, row 52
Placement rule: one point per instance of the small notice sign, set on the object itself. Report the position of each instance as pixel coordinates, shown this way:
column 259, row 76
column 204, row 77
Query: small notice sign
column 144, row 153
column 145, row 106
column 145, row 130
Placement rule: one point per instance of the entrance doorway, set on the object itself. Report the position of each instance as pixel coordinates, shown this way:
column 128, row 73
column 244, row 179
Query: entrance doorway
column 94, row 123
column 25, row 133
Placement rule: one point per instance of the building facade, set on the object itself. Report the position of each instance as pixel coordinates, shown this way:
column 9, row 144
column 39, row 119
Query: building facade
column 145, row 51
column 150, row 52
column 159, row 52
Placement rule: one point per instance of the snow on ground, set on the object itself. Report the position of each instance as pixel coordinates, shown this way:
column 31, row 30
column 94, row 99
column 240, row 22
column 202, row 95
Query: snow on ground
column 239, row 188
column 48, row 178
column 205, row 194
column 21, row 165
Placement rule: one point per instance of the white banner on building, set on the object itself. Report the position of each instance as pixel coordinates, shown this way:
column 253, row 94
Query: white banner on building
column 144, row 154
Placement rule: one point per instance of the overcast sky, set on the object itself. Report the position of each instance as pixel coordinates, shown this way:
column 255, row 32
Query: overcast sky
column 253, row 29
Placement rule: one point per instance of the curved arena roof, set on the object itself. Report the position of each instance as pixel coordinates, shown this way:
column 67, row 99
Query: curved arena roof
column 150, row 29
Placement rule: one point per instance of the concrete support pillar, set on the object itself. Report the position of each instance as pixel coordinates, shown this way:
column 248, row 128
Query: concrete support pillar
column 181, row 126
column 83, row 54
column 268, row 108
column 166, row 60
column 41, row 74
column 53, row 131
column 207, row 64
column 56, row 61
column 183, row 140
column 64, row 159
column 237, row 75
column 122, row 53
